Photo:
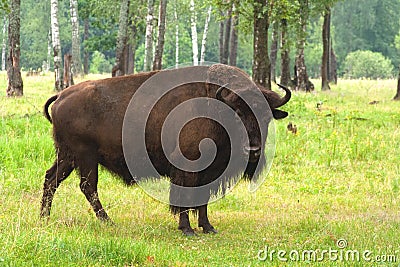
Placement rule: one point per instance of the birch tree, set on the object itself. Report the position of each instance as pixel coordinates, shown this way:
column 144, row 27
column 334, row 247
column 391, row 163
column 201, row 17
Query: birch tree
column 119, row 68
column 4, row 45
column 49, row 51
column 15, row 85
column 193, row 27
column 55, row 38
column 76, row 43
column 157, row 65
column 205, row 33
column 148, row 44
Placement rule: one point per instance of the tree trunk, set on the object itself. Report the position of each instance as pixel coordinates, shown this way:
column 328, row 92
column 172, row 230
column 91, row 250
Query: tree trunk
column 302, row 77
column 86, row 52
column 55, row 38
column 234, row 37
column 131, row 59
column 227, row 36
column 4, row 45
column 119, row 69
column 325, row 50
column 132, row 49
column 193, row 27
column 157, row 65
column 148, row 43
column 68, row 76
column 221, row 39
column 301, row 71
column 49, row 51
column 285, row 56
column 332, row 66
column 176, row 36
column 15, row 84
column 205, row 33
column 397, row 96
column 261, row 65
column 76, row 40
column 274, row 50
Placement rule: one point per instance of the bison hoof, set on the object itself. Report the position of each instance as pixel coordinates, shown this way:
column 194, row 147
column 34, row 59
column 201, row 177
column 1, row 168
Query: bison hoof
column 188, row 231
column 45, row 214
column 209, row 230
column 102, row 216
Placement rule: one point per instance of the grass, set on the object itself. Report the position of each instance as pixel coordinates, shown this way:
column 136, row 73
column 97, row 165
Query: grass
column 337, row 178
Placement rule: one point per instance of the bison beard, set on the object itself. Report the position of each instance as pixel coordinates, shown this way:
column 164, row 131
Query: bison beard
column 87, row 129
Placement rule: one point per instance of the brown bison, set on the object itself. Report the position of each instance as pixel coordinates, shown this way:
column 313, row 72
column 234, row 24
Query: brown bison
column 106, row 121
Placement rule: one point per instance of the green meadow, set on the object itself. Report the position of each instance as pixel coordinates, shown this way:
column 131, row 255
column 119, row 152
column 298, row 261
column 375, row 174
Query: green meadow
column 330, row 199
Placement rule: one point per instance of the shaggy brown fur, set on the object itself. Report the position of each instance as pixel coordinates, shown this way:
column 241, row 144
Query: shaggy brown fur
column 87, row 128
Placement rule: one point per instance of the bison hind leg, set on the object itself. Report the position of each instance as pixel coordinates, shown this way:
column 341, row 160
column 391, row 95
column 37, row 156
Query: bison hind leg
column 60, row 170
column 88, row 169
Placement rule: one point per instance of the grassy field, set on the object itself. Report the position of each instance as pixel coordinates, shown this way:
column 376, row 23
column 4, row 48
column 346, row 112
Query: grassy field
column 333, row 190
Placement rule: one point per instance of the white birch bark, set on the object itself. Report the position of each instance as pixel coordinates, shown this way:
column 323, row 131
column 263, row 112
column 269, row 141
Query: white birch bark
column 148, row 52
column 55, row 38
column 176, row 38
column 4, row 45
column 193, row 24
column 49, row 49
column 76, row 44
column 205, row 33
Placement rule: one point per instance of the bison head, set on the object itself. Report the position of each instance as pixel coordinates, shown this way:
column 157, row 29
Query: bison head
column 254, row 106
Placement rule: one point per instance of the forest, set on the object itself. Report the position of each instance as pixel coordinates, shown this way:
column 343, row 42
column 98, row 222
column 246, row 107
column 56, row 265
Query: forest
column 357, row 39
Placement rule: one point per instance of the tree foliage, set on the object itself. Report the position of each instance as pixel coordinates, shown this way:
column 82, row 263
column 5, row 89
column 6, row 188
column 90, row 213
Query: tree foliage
column 367, row 64
column 4, row 5
column 356, row 25
column 366, row 25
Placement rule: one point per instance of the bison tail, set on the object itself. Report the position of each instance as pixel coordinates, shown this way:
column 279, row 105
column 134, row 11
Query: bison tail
column 46, row 107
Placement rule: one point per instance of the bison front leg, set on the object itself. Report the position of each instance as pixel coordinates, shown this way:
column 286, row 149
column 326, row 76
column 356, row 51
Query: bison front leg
column 60, row 170
column 89, row 178
column 204, row 222
column 184, row 223
column 181, row 196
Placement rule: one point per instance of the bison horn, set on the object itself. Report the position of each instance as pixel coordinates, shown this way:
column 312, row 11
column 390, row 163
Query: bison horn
column 218, row 94
column 284, row 99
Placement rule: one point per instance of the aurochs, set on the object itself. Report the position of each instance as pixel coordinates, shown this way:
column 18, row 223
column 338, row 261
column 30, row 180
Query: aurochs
column 88, row 123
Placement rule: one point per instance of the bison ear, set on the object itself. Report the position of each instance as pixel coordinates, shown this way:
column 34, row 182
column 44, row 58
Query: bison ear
column 279, row 114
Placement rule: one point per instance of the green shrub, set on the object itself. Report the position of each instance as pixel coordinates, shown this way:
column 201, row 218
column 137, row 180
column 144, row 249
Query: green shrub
column 367, row 64
column 99, row 63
